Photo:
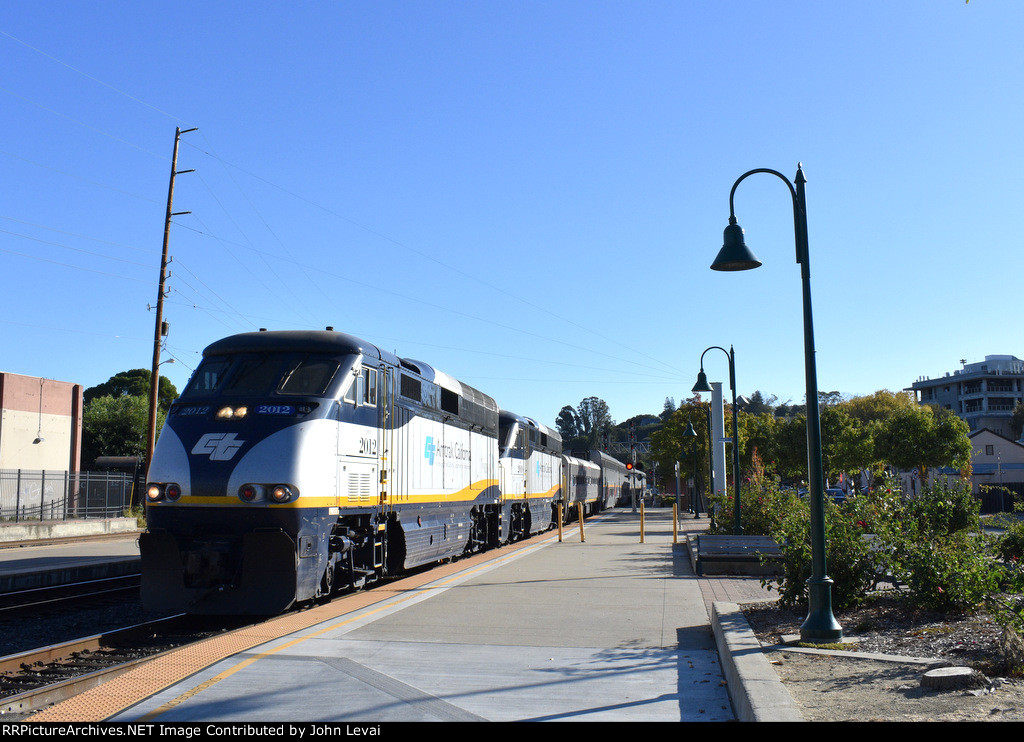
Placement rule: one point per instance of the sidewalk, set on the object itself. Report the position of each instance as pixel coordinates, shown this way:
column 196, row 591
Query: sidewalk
column 756, row 691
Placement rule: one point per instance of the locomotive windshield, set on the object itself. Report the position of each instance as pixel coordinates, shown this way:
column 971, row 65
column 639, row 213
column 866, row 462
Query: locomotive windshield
column 273, row 373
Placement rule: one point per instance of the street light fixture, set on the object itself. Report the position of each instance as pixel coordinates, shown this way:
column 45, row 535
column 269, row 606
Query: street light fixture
column 703, row 386
column 820, row 625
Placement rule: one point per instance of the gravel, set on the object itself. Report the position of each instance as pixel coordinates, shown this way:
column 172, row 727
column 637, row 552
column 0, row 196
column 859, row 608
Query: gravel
column 854, row 685
column 25, row 632
column 887, row 624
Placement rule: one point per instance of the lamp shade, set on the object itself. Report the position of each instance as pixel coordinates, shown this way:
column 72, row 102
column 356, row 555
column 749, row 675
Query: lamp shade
column 734, row 255
column 689, row 432
column 702, row 383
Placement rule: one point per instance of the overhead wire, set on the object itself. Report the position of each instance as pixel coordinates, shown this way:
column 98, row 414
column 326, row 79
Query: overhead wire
column 306, row 268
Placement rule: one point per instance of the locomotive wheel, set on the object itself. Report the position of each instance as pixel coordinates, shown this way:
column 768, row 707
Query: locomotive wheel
column 326, row 586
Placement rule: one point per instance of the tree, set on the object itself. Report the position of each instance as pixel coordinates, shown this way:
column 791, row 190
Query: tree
column 847, row 444
column 593, row 420
column 668, row 445
column 792, row 448
column 115, row 418
column 827, row 399
column 116, row 426
column 567, row 424
column 134, row 383
column 923, row 437
column 758, row 405
column 759, row 432
column 1017, row 421
column 880, row 406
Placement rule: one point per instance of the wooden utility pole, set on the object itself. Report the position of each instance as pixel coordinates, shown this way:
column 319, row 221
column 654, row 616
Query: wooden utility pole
column 161, row 331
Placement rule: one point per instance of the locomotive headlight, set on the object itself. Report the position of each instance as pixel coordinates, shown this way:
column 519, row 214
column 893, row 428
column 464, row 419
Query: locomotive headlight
column 154, row 492
column 281, row 493
column 227, row 413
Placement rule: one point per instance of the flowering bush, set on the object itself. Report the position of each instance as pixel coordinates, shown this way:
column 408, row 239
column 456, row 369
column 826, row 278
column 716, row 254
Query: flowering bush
column 848, row 556
column 952, row 574
column 930, row 545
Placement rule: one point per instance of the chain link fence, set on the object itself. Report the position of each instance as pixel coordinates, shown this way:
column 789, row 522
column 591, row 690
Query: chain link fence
column 34, row 495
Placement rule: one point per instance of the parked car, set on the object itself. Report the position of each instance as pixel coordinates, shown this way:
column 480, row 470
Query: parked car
column 837, row 495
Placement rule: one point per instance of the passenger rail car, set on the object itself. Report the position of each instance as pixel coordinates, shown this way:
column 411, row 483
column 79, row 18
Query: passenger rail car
column 530, row 467
column 613, row 478
column 297, row 463
column 582, row 485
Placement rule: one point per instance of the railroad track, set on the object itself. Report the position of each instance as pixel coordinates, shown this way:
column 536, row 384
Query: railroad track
column 33, row 680
column 54, row 596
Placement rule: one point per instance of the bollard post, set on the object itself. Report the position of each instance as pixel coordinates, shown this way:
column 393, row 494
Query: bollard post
column 579, row 507
column 641, row 521
column 559, row 522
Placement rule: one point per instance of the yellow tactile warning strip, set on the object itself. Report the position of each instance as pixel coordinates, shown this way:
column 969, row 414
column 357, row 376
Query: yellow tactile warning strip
column 110, row 698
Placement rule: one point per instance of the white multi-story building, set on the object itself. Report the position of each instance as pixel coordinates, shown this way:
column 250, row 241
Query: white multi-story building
column 983, row 394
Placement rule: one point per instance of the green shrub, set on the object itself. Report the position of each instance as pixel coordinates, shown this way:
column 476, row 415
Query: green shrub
column 943, row 509
column 1009, row 545
column 932, row 545
column 952, row 573
column 848, row 556
column 762, row 506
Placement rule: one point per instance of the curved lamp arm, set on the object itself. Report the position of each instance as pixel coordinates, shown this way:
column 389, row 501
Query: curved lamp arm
column 799, row 205
column 732, row 367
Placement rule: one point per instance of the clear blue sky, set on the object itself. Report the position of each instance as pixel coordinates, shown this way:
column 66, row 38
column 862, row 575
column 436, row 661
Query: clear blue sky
column 527, row 195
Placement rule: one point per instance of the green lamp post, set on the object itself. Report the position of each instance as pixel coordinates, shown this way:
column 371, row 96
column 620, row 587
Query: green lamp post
column 820, row 625
column 703, row 386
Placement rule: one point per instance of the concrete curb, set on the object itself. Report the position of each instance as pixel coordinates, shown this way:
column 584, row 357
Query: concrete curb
column 56, row 529
column 756, row 691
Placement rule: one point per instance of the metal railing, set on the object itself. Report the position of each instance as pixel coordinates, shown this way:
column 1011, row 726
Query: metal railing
column 34, row 495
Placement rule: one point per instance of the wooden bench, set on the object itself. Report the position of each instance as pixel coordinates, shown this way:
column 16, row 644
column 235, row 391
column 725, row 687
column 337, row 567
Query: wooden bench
column 743, row 555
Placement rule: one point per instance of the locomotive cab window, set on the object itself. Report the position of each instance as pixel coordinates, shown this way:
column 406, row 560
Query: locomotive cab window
column 369, row 386
column 207, row 378
column 353, row 388
column 363, row 389
column 310, row 376
column 519, row 446
column 254, row 376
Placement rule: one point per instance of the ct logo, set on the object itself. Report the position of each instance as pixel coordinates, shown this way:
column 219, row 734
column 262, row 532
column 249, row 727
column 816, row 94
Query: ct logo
column 218, row 446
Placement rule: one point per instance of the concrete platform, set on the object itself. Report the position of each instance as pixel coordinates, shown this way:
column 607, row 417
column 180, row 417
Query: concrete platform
column 603, row 629
column 608, row 629
column 43, row 561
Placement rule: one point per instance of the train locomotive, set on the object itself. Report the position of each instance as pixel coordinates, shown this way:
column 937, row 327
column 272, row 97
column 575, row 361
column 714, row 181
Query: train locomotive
column 297, row 463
